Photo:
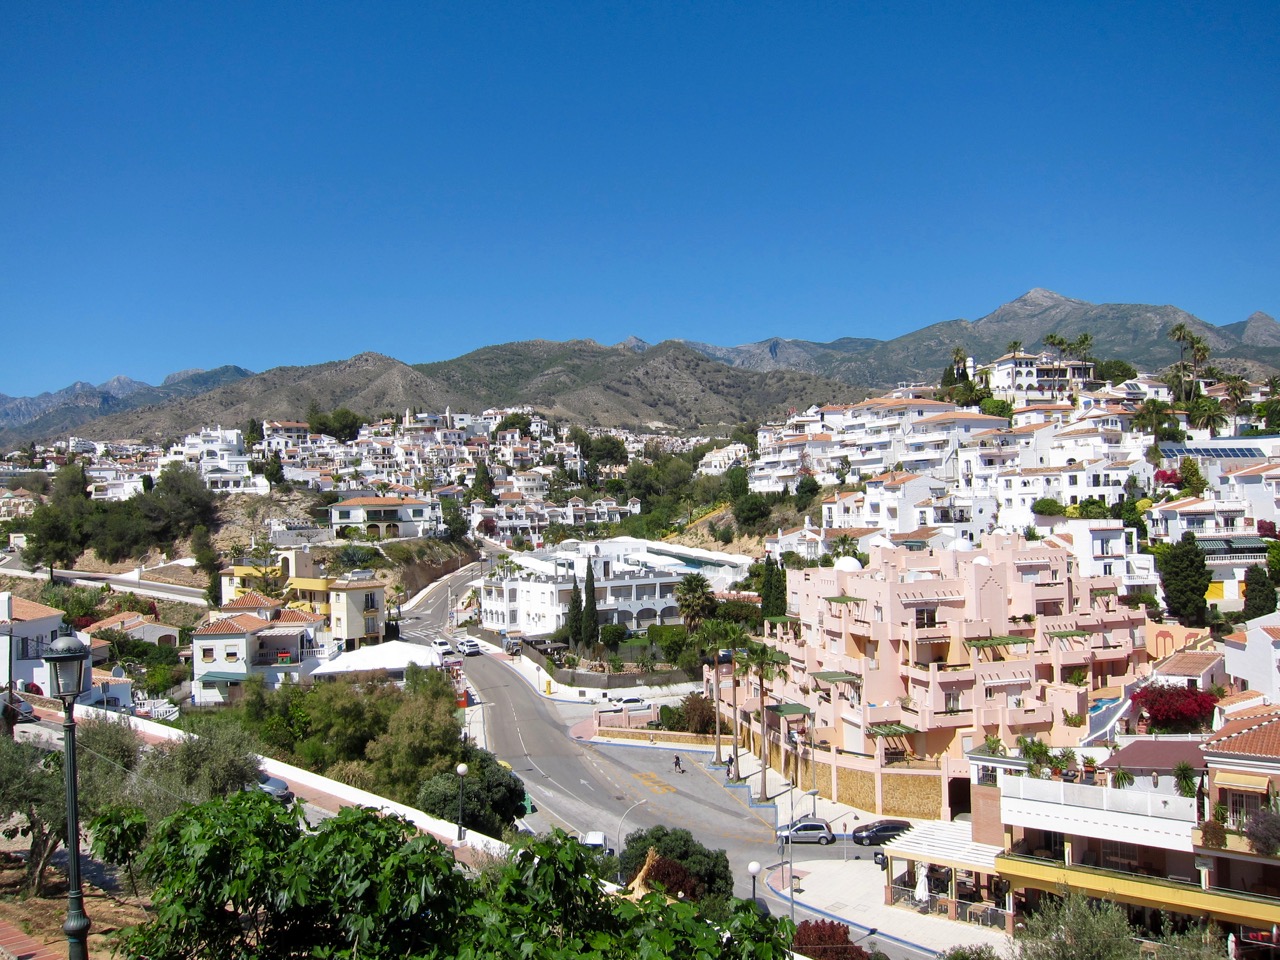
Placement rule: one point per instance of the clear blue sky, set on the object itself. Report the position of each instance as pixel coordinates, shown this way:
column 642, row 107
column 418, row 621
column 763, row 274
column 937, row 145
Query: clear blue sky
column 193, row 184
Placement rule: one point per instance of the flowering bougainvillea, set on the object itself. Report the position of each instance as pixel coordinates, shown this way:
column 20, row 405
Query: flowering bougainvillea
column 1174, row 709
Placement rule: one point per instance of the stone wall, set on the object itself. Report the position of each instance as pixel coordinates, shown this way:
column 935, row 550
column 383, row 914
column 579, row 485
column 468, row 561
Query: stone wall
column 912, row 795
column 857, row 788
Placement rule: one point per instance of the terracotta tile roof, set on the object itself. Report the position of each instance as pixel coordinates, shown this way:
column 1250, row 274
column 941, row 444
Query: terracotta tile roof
column 922, row 533
column 30, row 610
column 244, row 623
column 117, row 620
column 1272, row 632
column 252, row 601
column 1188, row 663
column 1235, row 699
column 1253, row 736
column 298, row 616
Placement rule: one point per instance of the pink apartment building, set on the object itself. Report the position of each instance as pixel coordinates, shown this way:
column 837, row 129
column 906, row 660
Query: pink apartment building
column 898, row 669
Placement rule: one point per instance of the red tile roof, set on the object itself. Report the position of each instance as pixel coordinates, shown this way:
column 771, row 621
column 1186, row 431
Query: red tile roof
column 252, row 601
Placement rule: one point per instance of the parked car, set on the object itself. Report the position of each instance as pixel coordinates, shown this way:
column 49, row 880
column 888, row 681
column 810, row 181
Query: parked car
column 18, row 709
column 807, row 830
column 443, row 646
column 276, row 787
column 631, row 703
column 469, row 648
column 881, row 831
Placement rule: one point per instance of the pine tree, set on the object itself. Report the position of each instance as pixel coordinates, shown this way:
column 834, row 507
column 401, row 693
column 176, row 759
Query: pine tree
column 590, row 621
column 573, row 620
column 1185, row 576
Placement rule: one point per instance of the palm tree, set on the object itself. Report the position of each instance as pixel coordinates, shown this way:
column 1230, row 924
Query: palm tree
column 717, row 635
column 1059, row 344
column 694, row 600
column 1153, row 416
column 958, row 358
column 1181, row 335
column 1199, row 359
column 1013, row 346
column 1207, row 413
column 1080, row 346
column 843, row 546
column 1237, row 388
column 765, row 664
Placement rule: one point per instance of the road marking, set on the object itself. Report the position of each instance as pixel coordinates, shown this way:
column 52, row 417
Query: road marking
column 654, row 782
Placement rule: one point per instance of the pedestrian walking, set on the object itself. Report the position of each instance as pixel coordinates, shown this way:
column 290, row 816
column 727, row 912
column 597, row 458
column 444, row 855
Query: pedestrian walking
column 729, row 776
column 679, row 769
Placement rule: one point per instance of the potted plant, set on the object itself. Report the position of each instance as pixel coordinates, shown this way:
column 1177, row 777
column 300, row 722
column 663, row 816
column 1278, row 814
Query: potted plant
column 1121, row 778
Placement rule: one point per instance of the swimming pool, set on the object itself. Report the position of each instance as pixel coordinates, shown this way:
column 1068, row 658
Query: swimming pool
column 1099, row 705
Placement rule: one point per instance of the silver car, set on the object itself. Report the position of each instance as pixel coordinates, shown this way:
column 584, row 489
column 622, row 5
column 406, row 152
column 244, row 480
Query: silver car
column 806, row 830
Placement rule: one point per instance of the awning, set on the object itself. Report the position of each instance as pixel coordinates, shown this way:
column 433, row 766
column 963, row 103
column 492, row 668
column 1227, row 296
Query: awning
column 890, row 730
column 789, row 709
column 1004, row 681
column 221, row 676
column 997, row 641
column 1063, row 634
column 833, row 676
column 845, row 599
column 1242, row 781
column 946, row 844
column 783, row 619
column 933, row 639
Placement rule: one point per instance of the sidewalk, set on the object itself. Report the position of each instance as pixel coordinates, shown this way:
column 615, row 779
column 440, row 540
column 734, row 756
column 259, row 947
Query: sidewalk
column 16, row 945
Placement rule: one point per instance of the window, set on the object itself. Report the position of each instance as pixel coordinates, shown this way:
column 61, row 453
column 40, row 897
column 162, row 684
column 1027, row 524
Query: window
column 926, row 617
column 1106, row 569
column 370, row 626
column 206, row 654
column 233, row 654
column 344, row 514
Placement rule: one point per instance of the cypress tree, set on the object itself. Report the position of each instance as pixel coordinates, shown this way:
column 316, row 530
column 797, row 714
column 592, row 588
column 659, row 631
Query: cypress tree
column 1260, row 593
column 590, row 621
column 1185, row 576
column 573, row 619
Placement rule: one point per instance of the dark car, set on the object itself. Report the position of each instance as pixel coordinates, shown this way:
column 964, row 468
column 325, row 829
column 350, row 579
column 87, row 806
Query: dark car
column 276, row 787
column 882, row 831
column 17, row 709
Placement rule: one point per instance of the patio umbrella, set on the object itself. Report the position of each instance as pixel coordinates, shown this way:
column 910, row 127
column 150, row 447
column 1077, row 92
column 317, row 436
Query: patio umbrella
column 1231, row 945
column 922, row 882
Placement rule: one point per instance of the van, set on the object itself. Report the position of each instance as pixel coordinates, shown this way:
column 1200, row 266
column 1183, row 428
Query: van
column 595, row 840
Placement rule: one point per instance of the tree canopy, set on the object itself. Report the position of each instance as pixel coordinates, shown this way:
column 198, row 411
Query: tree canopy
column 1185, row 577
column 243, row 878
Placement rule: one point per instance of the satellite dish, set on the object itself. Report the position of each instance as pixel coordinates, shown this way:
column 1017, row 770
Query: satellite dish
column 117, row 672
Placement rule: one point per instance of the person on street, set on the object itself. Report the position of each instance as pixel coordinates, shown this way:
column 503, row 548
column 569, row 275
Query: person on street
column 679, row 769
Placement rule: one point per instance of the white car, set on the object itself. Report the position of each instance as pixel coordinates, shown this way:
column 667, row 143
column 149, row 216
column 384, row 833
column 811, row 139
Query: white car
column 631, row 703
column 443, row 646
column 469, row 648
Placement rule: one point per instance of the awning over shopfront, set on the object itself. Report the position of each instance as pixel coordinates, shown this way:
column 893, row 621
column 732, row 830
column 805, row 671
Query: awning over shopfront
column 945, row 844
column 1242, row 781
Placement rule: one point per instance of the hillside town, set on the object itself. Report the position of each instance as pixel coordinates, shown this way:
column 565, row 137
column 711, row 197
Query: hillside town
column 977, row 609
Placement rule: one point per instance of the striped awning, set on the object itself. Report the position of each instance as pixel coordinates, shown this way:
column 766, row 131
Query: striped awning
column 1249, row 782
column 1004, row 681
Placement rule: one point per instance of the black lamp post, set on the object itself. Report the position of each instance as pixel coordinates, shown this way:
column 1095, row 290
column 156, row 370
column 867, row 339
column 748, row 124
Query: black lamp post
column 67, row 659
column 462, row 779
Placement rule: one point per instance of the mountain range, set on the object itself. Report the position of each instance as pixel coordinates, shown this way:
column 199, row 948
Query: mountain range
column 674, row 385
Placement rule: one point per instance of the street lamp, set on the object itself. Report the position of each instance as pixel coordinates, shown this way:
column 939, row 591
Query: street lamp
column 622, row 820
column 462, row 779
column 67, row 658
column 754, row 869
column 814, row 794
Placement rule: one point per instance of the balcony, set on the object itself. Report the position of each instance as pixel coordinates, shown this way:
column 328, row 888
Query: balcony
column 1159, row 893
column 1154, row 819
